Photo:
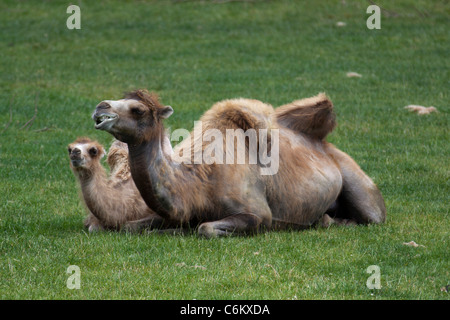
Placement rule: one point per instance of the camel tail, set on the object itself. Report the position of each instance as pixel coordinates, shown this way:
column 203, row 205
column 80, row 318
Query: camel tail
column 311, row 116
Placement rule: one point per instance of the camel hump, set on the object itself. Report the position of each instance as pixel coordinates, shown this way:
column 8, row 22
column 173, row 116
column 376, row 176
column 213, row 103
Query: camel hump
column 240, row 113
column 117, row 160
column 312, row 116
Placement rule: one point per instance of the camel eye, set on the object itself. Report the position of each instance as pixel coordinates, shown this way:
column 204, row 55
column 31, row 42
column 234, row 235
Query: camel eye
column 93, row 151
column 137, row 111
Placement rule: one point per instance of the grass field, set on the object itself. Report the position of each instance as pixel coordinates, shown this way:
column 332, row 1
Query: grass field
column 194, row 53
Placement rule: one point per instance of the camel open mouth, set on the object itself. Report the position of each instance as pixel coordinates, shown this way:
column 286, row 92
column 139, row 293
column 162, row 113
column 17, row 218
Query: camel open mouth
column 104, row 121
column 76, row 163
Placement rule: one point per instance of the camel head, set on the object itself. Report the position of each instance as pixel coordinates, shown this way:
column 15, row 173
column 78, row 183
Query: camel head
column 84, row 153
column 134, row 119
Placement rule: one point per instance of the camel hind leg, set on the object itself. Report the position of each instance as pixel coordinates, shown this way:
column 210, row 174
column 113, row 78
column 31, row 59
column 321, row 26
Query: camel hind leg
column 360, row 199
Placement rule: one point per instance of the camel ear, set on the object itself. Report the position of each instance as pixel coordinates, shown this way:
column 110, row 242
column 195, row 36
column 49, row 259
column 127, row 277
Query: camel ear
column 165, row 112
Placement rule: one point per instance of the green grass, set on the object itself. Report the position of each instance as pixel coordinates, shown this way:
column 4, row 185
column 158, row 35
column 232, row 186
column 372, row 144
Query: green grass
column 194, row 54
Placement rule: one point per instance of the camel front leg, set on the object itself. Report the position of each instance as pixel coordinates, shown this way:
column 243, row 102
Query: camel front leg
column 245, row 214
column 238, row 224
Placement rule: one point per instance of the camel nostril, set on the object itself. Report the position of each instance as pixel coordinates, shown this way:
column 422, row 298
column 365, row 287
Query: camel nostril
column 103, row 105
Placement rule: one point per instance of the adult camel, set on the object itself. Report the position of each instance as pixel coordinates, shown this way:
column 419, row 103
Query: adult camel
column 313, row 178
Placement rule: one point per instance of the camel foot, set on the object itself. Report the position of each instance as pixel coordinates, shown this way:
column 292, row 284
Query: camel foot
column 95, row 228
column 171, row 231
column 328, row 221
column 136, row 226
column 208, row 231
column 239, row 224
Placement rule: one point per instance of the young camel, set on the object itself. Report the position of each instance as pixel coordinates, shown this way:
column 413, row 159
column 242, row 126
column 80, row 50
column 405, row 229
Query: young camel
column 313, row 176
column 113, row 202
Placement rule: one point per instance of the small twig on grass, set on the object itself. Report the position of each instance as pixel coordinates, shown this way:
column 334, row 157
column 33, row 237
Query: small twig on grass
column 274, row 271
column 388, row 13
column 423, row 14
column 48, row 162
column 29, row 123
column 10, row 113
column 43, row 129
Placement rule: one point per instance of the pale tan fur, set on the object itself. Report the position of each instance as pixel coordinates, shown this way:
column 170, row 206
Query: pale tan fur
column 312, row 116
column 117, row 160
column 236, row 198
column 111, row 200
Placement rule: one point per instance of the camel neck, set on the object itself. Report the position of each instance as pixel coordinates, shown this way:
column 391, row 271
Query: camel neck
column 89, row 175
column 150, row 171
column 97, row 192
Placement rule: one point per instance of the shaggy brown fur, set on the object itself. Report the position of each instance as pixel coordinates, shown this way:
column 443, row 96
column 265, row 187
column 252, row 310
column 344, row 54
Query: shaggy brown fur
column 312, row 116
column 117, row 160
column 112, row 201
column 242, row 114
column 235, row 198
